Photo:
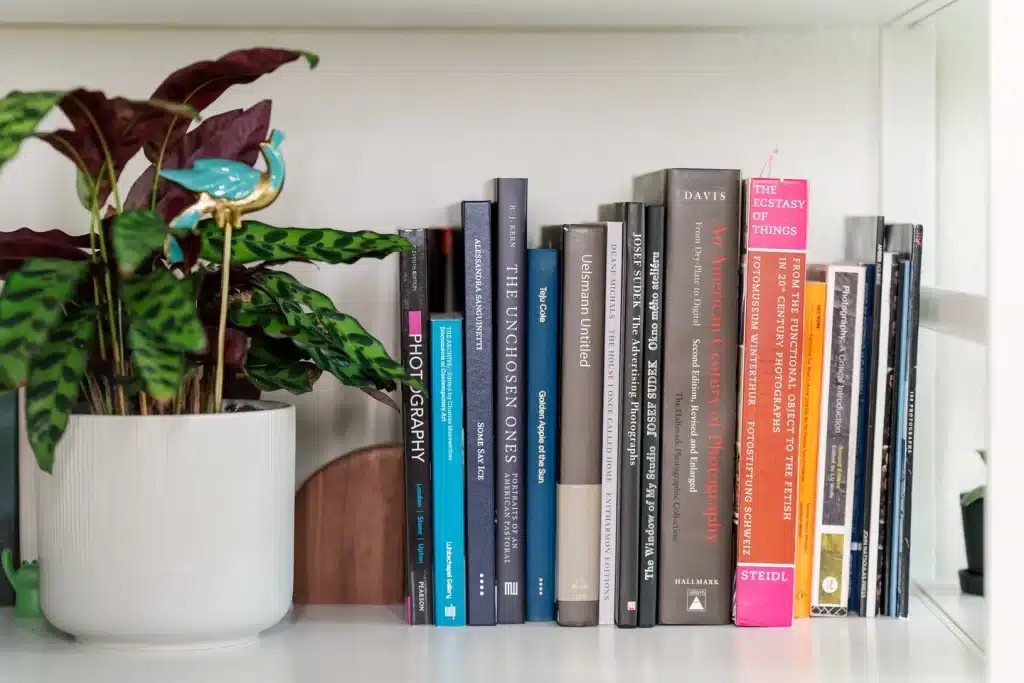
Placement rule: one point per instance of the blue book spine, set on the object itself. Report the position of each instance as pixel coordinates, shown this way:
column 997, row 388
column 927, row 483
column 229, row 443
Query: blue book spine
column 542, row 346
column 862, row 477
column 479, row 351
column 900, row 442
column 448, row 468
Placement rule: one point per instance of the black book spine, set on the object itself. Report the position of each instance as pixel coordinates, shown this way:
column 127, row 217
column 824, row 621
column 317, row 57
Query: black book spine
column 654, row 232
column 479, row 393
column 913, row 326
column 510, row 395
column 419, row 523
column 631, row 215
column 888, row 433
column 870, row 389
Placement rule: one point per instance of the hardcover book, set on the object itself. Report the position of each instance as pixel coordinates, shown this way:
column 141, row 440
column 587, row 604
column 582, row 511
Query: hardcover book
column 578, row 533
column 631, row 215
column 771, row 384
column 610, row 422
column 654, row 238
column 699, row 390
column 542, row 335
column 448, row 463
column 415, row 341
column 509, row 386
column 837, row 441
column 815, row 291
column 479, row 356
column 883, row 381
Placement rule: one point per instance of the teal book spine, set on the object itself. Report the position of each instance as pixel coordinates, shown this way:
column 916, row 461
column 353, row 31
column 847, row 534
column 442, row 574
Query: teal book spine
column 448, row 465
column 543, row 324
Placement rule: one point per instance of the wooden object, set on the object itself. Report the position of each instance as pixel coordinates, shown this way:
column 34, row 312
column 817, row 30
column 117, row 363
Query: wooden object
column 349, row 531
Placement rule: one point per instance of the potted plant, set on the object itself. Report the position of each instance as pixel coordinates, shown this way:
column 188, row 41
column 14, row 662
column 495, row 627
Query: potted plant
column 972, row 509
column 165, row 486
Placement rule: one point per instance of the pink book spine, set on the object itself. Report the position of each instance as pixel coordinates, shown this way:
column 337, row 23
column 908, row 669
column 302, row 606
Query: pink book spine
column 770, row 400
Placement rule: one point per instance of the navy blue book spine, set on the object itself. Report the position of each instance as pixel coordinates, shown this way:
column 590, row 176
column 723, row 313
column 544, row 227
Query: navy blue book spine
column 510, row 395
column 864, row 445
column 542, row 420
column 449, row 468
column 479, row 360
column 415, row 341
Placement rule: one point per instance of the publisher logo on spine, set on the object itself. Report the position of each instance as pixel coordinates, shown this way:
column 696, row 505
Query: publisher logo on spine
column 696, row 599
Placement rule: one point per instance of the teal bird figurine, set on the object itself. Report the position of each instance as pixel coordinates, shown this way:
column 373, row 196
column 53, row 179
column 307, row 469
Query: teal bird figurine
column 227, row 190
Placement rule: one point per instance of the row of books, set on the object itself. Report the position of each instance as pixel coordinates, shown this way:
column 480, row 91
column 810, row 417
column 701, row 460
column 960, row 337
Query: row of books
column 616, row 426
column 857, row 453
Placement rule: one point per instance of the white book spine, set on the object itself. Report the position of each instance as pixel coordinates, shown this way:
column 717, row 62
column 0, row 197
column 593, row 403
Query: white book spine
column 837, row 445
column 610, row 424
column 875, row 513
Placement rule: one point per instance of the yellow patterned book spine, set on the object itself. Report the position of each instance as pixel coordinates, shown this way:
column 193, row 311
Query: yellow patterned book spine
column 813, row 357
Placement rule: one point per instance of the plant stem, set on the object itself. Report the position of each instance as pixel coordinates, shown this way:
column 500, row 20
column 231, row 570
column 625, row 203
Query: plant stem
column 225, row 280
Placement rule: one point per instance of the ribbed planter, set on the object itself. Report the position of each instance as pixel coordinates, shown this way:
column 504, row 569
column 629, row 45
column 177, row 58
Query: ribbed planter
column 169, row 531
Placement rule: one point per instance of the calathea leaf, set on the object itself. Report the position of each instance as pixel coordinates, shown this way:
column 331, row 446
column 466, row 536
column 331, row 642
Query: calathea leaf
column 336, row 341
column 202, row 83
column 54, row 382
column 163, row 308
column 298, row 378
column 104, row 125
column 137, row 234
column 256, row 241
column 160, row 367
column 20, row 245
column 285, row 288
column 234, row 135
column 20, row 113
column 31, row 306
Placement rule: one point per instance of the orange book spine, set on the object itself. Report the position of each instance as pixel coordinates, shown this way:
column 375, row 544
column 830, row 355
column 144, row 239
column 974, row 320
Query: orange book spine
column 769, row 435
column 807, row 474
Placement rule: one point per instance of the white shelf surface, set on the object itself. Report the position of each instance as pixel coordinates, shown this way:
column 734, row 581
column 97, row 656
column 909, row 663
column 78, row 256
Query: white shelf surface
column 968, row 612
column 449, row 13
column 373, row 645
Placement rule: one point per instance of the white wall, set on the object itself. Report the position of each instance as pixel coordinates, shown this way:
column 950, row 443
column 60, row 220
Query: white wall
column 396, row 127
column 961, row 244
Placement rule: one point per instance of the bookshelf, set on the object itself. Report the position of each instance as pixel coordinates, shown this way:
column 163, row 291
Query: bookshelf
column 417, row 104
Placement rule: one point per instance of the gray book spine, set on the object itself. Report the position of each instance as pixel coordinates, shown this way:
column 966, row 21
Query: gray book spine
column 699, row 390
column 578, row 535
column 478, row 357
column 510, row 396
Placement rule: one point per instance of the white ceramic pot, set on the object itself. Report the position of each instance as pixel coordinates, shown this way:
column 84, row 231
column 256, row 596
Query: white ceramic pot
column 169, row 531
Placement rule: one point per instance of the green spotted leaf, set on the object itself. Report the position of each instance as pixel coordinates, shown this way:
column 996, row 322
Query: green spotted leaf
column 164, row 308
column 31, row 306
column 54, row 382
column 298, row 378
column 137, row 234
column 160, row 367
column 285, row 288
column 256, row 241
column 20, row 113
column 362, row 349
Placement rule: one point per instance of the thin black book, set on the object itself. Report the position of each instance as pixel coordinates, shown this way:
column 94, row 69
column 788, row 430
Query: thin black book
column 654, row 231
column 631, row 216
column 509, row 275
column 415, row 341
